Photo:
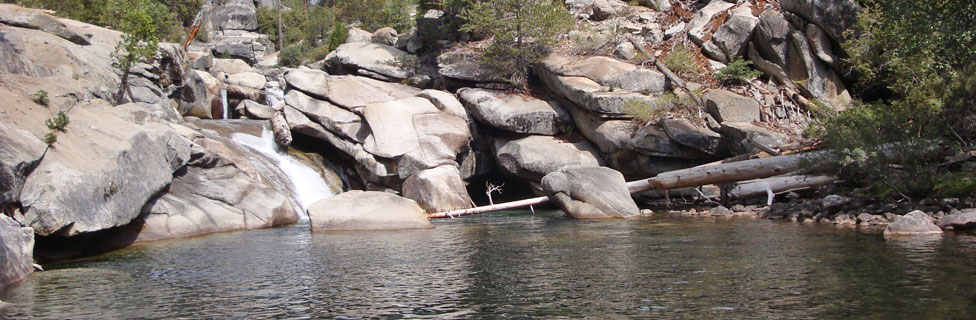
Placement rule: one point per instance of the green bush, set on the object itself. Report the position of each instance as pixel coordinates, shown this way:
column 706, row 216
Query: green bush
column 58, row 122
column 682, row 62
column 737, row 72
column 40, row 97
column 292, row 56
column 50, row 138
column 641, row 110
column 338, row 36
column 916, row 79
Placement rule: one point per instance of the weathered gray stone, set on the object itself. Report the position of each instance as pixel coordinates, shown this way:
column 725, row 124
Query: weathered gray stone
column 385, row 36
column 333, row 118
column 608, row 135
column 736, row 134
column 354, row 93
column 466, row 68
column 248, row 80
column 915, row 223
column 215, row 199
column 625, row 50
column 366, row 210
column 689, row 135
column 254, row 110
column 102, row 170
column 608, row 72
column 437, row 189
column 514, row 112
column 35, row 19
column 357, row 35
column 606, row 9
column 820, row 44
column 446, row 102
column 239, row 15
column 20, row 152
column 702, row 23
column 725, row 105
column 228, row 67
column 659, row 5
column 533, row 157
column 733, row 36
column 393, row 132
column 584, row 192
column 378, row 61
column 16, row 251
column 834, row 16
column 964, row 220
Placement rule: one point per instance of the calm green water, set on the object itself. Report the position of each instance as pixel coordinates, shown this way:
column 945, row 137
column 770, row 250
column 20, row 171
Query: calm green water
column 521, row 266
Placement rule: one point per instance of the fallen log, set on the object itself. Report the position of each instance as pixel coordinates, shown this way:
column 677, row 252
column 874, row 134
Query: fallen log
column 282, row 133
column 777, row 185
column 723, row 173
column 490, row 208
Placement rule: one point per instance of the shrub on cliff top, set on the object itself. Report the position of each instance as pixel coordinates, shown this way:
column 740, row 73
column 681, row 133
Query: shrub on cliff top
column 523, row 32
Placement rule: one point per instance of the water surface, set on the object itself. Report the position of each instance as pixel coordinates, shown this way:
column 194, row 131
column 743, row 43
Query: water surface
column 520, row 265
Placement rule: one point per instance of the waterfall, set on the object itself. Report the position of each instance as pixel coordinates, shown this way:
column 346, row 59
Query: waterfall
column 274, row 94
column 306, row 183
column 223, row 99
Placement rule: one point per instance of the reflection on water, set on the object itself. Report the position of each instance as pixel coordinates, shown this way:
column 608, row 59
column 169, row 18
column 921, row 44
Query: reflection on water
column 516, row 265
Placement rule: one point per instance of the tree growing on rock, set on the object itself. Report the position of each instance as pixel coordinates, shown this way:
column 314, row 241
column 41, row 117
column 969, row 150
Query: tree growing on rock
column 522, row 31
column 139, row 43
column 917, row 81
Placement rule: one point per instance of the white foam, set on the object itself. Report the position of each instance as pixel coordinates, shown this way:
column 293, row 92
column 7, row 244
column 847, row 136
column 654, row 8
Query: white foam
column 308, row 185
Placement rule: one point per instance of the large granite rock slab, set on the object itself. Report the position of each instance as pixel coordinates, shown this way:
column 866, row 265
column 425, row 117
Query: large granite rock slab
column 366, row 210
column 513, row 112
column 234, row 15
column 584, row 192
column 533, row 157
column 378, row 61
column 350, row 92
column 102, row 170
column 227, row 186
column 35, row 19
column 834, row 16
column 725, row 105
column 333, row 118
column 20, row 152
column 16, row 251
column 437, row 189
column 695, row 137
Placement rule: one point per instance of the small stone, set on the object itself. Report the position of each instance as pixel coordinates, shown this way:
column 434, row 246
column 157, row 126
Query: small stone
column 720, row 211
column 626, row 50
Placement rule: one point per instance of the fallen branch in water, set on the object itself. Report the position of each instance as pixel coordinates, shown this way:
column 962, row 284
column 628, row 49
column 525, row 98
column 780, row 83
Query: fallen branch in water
column 489, row 208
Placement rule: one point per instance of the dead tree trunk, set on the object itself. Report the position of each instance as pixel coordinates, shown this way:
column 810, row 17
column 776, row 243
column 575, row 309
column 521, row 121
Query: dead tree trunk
column 723, row 173
column 279, row 126
column 776, row 185
column 490, row 208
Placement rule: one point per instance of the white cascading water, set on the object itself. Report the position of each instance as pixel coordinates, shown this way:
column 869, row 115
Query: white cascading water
column 223, row 100
column 306, row 182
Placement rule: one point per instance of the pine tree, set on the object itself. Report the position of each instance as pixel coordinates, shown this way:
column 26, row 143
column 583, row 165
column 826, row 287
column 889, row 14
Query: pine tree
column 523, row 32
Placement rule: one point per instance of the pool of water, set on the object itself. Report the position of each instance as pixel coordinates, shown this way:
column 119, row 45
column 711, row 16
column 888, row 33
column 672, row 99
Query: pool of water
column 516, row 264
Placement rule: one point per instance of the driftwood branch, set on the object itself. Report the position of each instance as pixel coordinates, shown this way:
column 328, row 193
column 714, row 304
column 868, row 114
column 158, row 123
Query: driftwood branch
column 667, row 72
column 489, row 208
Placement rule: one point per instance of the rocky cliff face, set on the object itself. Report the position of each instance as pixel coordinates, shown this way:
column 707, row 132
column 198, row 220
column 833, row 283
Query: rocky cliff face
column 158, row 168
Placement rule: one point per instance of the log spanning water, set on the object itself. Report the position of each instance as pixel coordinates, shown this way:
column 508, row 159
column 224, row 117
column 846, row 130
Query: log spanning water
column 698, row 176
